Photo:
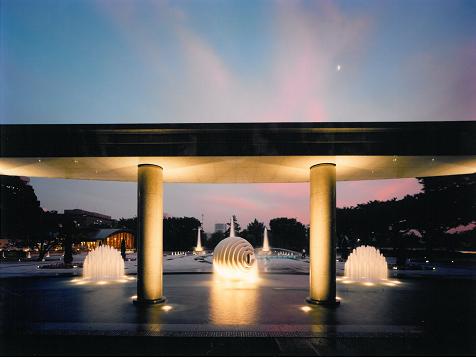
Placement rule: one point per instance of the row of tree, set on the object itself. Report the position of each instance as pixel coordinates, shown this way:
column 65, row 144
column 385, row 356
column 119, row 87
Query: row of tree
column 284, row 233
column 180, row 233
column 420, row 220
column 24, row 222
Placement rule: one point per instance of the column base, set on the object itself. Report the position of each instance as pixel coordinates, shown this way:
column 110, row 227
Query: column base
column 333, row 303
column 144, row 302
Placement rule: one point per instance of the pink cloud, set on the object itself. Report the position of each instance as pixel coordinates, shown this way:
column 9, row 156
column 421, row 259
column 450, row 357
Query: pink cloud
column 301, row 213
column 462, row 228
column 397, row 188
column 296, row 85
column 233, row 202
column 306, row 55
column 202, row 61
column 300, row 82
column 267, row 201
column 285, row 190
column 353, row 193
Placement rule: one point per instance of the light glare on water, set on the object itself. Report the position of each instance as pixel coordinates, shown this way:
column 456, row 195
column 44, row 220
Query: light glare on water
column 233, row 302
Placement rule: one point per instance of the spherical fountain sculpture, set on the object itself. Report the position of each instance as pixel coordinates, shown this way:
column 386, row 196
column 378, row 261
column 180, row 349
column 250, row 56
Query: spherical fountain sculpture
column 103, row 263
column 366, row 263
column 234, row 258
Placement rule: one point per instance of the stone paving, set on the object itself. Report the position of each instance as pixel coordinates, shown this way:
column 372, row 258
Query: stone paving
column 204, row 316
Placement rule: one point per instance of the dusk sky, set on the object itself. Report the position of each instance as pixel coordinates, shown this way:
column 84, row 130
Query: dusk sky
column 67, row 61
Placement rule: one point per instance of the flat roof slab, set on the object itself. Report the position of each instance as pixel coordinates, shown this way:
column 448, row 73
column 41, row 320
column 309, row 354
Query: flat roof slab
column 256, row 169
column 239, row 153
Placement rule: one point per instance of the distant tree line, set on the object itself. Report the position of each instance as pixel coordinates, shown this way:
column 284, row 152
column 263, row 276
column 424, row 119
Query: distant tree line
column 24, row 222
column 420, row 220
column 417, row 221
column 179, row 233
column 284, row 233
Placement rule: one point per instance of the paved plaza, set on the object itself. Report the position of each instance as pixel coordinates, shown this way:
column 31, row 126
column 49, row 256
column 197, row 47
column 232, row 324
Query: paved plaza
column 204, row 316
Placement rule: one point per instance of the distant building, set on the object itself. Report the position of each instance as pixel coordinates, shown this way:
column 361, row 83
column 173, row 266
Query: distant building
column 4, row 244
column 110, row 237
column 220, row 227
column 88, row 218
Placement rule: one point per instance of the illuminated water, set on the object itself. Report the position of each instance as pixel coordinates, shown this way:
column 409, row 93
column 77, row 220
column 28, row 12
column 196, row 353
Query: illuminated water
column 103, row 263
column 233, row 302
column 265, row 241
column 199, row 247
column 366, row 263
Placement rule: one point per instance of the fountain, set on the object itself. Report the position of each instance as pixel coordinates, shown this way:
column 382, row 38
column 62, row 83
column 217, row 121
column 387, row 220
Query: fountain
column 103, row 263
column 366, row 263
column 199, row 247
column 265, row 241
column 232, row 227
column 234, row 258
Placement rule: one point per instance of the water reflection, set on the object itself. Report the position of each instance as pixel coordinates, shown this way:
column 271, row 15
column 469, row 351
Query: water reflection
column 323, row 319
column 265, row 264
column 102, row 301
column 233, row 302
column 149, row 317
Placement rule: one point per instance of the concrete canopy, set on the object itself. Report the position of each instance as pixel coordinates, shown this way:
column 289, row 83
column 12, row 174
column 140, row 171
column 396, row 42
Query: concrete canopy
column 239, row 153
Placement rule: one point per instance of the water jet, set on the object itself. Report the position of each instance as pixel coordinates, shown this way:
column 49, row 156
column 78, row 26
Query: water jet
column 366, row 263
column 103, row 263
column 265, row 241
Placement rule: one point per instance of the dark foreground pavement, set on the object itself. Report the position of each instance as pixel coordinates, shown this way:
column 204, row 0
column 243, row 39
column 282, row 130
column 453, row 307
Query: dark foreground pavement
column 250, row 346
column 55, row 316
